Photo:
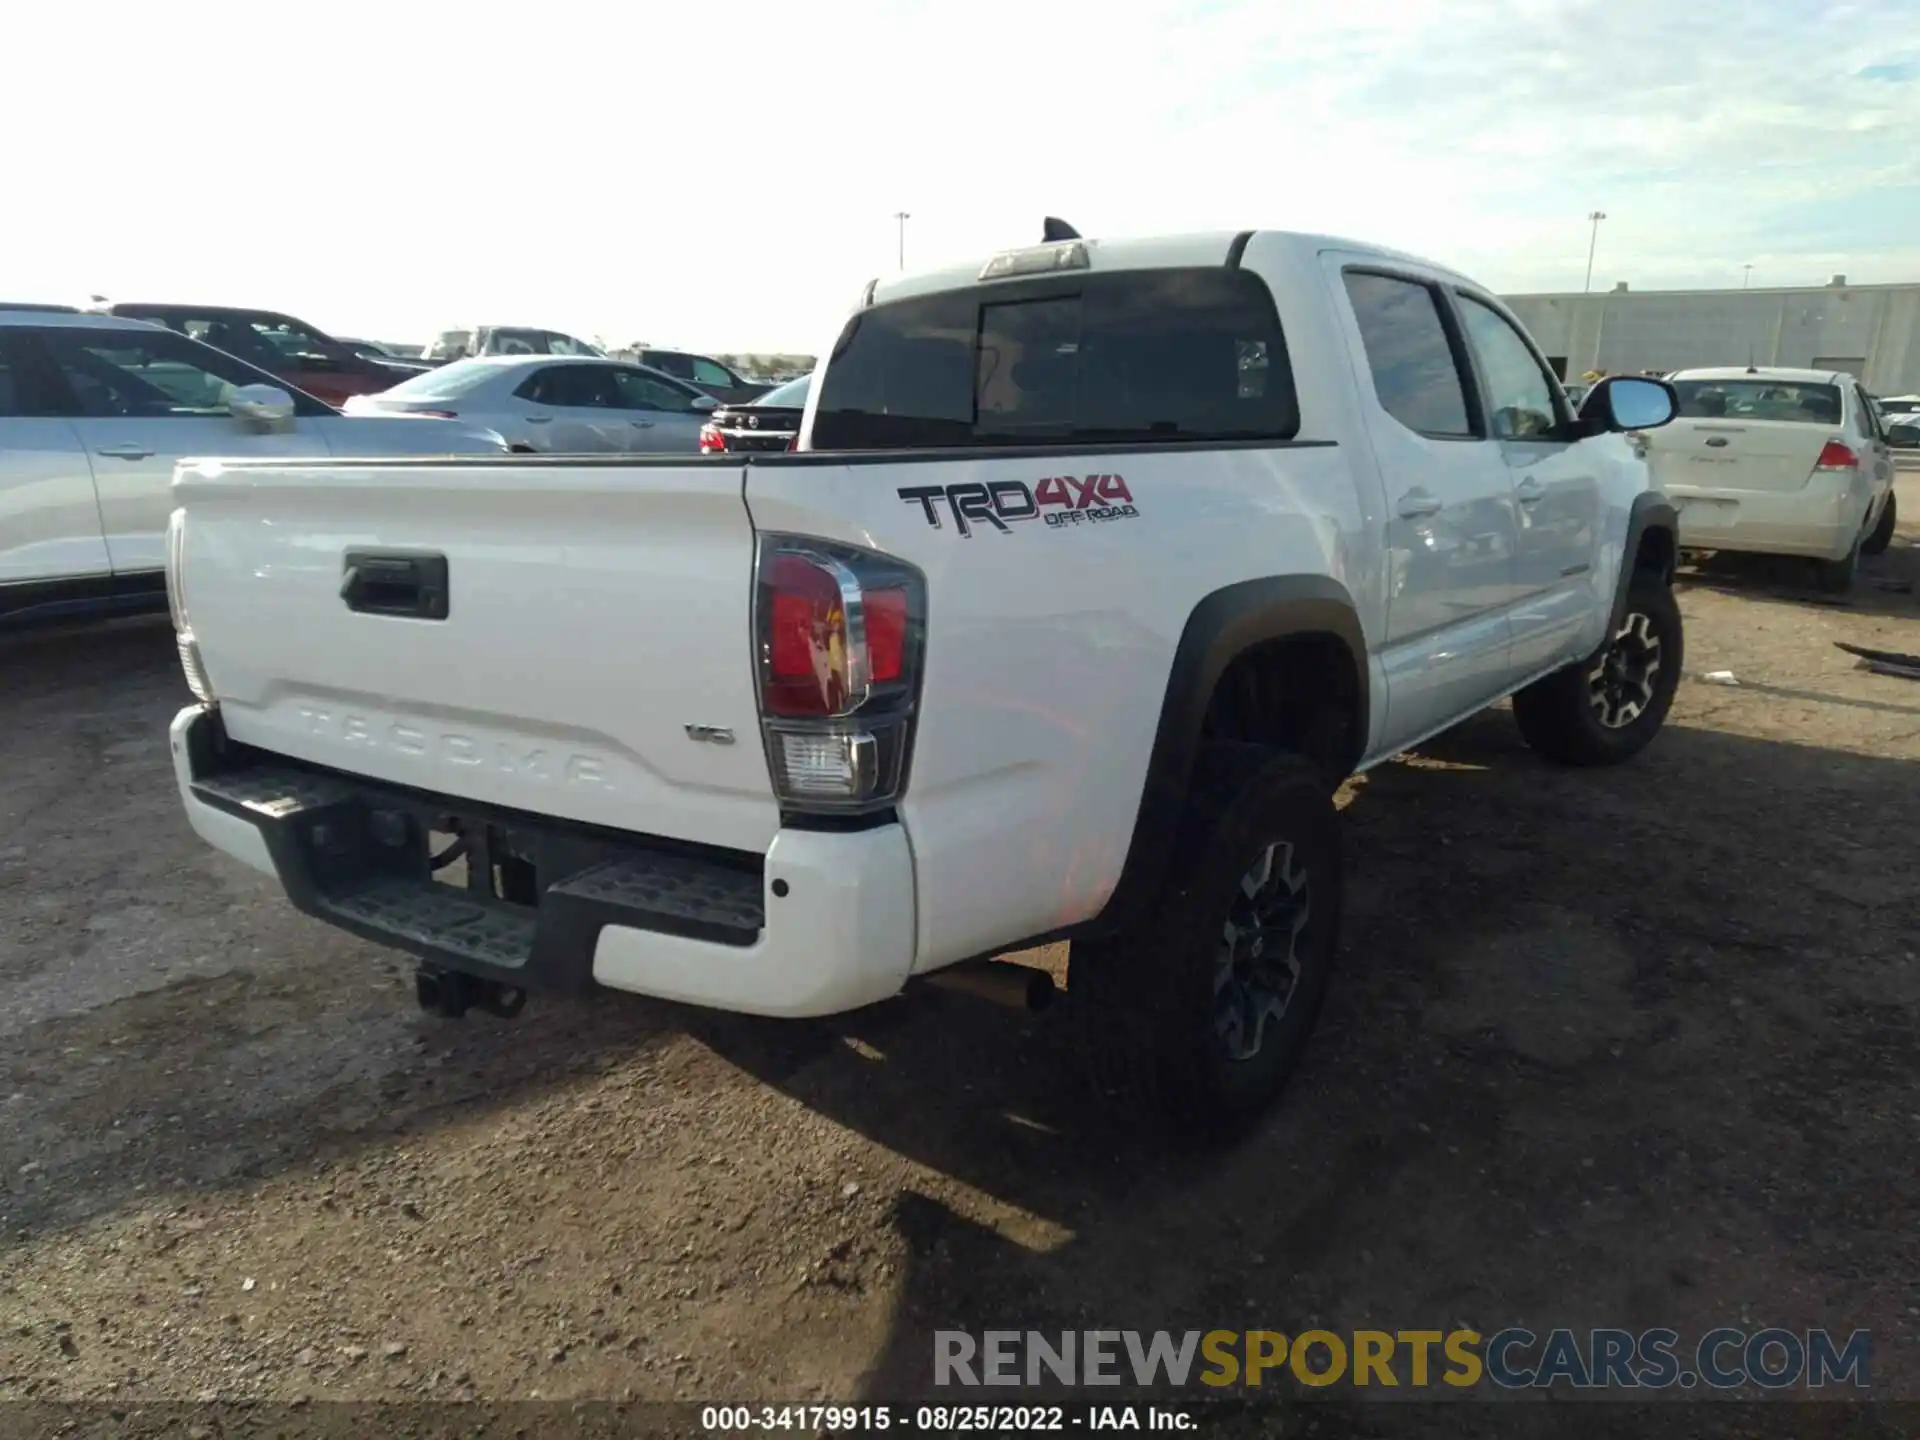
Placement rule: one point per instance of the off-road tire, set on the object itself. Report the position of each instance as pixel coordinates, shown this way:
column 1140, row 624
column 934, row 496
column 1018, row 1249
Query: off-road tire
column 1144, row 1004
column 1557, row 714
column 1881, row 535
column 1835, row 577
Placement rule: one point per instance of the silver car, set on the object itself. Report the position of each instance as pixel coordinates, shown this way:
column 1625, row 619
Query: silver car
column 555, row 405
column 94, row 412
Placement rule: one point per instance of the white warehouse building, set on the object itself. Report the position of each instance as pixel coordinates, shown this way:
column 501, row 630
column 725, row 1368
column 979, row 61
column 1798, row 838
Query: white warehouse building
column 1870, row 331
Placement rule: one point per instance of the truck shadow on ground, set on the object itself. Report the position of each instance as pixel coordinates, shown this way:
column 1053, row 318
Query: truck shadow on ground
column 1582, row 1066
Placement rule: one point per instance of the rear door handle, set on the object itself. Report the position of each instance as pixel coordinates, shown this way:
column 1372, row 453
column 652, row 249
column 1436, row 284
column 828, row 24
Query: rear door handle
column 642, row 424
column 1529, row 492
column 125, row 452
column 538, row 419
column 1416, row 504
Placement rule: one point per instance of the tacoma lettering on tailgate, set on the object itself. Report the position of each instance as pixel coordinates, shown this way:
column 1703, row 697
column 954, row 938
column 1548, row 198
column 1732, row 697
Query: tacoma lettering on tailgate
column 448, row 747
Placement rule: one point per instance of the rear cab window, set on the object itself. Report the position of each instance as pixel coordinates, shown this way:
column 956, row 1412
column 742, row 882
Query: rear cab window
column 449, row 345
column 1118, row 357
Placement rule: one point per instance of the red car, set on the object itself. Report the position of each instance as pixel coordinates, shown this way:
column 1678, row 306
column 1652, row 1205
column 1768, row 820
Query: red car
column 306, row 358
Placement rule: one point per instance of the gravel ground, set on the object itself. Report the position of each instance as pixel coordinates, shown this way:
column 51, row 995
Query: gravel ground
column 1624, row 1048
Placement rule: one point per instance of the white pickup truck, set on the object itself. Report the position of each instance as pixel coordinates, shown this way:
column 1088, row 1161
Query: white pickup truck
column 1095, row 568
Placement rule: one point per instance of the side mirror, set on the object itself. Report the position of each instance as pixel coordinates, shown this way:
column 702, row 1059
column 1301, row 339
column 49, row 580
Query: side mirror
column 1628, row 402
column 704, row 404
column 260, row 405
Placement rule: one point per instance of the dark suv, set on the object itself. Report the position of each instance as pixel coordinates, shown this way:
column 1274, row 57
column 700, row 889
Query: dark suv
column 306, row 358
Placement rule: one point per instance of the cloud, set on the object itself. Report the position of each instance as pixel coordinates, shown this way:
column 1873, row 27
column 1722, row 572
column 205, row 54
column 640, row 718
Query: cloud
column 1895, row 72
column 729, row 179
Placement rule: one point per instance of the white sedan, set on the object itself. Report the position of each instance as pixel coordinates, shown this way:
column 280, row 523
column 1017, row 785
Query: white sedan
column 1778, row 461
column 554, row 404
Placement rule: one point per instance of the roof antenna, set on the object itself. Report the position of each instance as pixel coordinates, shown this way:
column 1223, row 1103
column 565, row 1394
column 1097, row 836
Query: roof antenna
column 1054, row 228
column 1750, row 369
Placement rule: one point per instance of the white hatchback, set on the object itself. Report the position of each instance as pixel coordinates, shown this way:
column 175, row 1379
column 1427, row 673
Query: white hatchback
column 1779, row 462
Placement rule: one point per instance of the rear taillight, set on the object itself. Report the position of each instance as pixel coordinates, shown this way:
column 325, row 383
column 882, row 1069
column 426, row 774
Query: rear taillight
column 793, row 441
column 1835, row 456
column 711, row 440
column 840, row 634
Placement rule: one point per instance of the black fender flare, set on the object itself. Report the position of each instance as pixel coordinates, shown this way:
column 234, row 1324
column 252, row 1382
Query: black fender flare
column 1650, row 511
column 1223, row 626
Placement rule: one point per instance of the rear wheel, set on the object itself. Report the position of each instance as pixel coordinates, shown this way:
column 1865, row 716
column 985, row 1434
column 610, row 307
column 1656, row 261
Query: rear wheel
column 1205, row 1013
column 1881, row 535
column 1609, row 707
column 1835, row 577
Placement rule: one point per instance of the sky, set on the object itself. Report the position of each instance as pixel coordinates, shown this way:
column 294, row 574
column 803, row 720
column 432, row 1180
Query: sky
column 726, row 177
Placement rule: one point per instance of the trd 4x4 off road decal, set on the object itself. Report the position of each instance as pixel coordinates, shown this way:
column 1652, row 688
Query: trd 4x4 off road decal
column 1059, row 500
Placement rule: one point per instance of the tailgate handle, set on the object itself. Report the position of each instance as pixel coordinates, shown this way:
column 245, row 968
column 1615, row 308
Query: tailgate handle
column 410, row 583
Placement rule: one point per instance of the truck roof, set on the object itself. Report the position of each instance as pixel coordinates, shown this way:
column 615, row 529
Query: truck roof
column 1205, row 247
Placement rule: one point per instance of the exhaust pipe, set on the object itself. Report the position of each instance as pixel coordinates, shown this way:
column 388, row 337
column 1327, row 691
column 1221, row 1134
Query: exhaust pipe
column 449, row 994
column 1018, row 987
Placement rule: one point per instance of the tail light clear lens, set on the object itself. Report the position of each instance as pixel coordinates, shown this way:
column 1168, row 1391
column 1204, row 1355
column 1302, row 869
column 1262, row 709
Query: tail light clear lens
column 840, row 632
column 1835, row 456
column 190, row 662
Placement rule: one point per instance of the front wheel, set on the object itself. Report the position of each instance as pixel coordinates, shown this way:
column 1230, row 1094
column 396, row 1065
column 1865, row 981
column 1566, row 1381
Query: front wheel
column 1608, row 708
column 1881, row 535
column 1205, row 1013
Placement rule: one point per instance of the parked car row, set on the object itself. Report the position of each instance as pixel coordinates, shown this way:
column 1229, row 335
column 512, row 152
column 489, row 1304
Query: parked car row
column 94, row 412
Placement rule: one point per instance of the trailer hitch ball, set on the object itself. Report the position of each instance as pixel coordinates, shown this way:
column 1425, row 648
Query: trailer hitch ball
column 451, row 994
column 505, row 1001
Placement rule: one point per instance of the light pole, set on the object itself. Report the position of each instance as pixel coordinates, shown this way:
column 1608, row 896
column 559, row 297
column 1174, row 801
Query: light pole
column 1596, row 216
column 902, row 216
column 1746, row 279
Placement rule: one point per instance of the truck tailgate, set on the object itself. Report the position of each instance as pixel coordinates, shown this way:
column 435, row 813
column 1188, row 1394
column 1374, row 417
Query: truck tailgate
column 597, row 614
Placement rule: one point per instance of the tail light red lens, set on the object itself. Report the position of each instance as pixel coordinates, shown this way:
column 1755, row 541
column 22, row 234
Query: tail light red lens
column 886, row 616
column 807, row 651
column 1835, row 456
column 711, row 440
column 840, row 632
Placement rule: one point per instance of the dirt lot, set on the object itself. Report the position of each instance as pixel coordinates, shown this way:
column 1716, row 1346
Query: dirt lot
column 1630, row 1048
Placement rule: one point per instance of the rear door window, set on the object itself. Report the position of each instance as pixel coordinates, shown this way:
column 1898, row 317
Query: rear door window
column 1147, row 355
column 674, row 364
column 710, row 372
column 637, row 390
column 587, row 387
column 1415, row 374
